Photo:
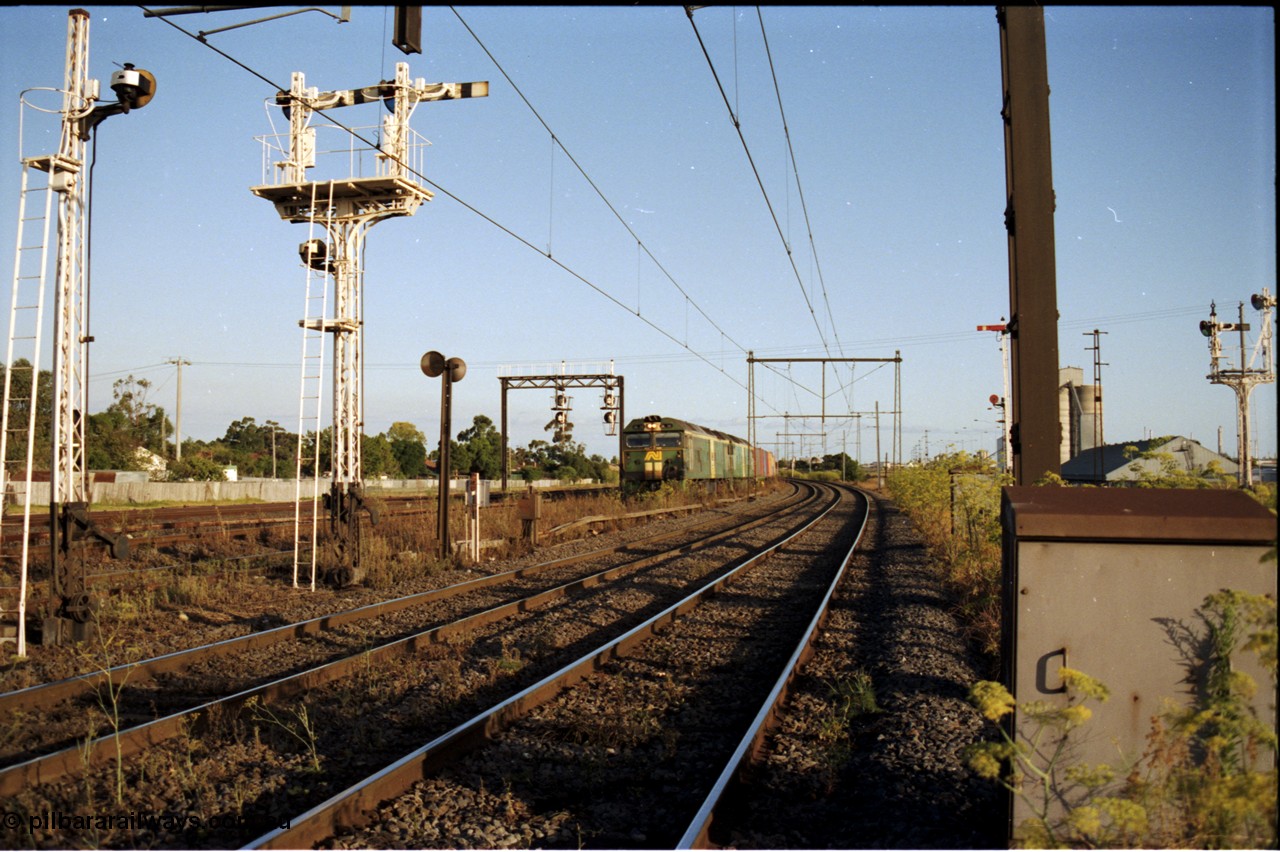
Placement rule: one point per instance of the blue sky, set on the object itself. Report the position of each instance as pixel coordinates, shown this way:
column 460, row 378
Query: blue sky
column 1163, row 139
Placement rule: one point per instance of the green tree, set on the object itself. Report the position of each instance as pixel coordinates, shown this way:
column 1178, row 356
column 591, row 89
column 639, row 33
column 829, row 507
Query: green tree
column 402, row 430
column 195, row 468
column 841, row 462
column 20, row 411
column 130, row 423
column 479, row 447
column 408, row 447
column 256, row 449
column 377, row 457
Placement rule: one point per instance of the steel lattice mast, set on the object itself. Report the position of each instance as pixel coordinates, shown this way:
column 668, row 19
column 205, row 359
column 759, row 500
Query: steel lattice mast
column 67, row 179
column 347, row 208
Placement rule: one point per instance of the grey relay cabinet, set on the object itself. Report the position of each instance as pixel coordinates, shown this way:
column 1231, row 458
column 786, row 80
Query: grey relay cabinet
column 1109, row 582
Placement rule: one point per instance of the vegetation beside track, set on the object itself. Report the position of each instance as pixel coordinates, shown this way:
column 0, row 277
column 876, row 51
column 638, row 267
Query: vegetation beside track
column 1208, row 777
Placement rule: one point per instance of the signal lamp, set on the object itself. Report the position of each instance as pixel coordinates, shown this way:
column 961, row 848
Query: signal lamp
column 314, row 254
column 134, row 87
column 1206, row 328
column 432, row 364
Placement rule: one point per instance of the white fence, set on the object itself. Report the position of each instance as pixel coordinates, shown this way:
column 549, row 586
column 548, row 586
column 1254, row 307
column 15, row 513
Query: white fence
column 267, row 490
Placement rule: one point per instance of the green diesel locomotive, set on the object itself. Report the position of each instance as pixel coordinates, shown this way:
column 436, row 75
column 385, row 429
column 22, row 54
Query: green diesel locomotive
column 660, row 449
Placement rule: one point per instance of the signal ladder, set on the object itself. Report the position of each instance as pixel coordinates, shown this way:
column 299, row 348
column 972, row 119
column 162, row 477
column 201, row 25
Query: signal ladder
column 311, row 392
column 22, row 359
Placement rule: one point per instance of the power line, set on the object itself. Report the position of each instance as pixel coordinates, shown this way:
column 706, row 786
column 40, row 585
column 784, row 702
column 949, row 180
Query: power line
column 558, row 143
column 737, row 126
column 786, row 131
column 411, row 170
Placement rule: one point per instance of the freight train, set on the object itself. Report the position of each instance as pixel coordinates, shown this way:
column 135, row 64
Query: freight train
column 658, row 449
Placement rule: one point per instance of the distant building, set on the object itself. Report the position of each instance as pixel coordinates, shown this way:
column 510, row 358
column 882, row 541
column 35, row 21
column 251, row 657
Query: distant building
column 1120, row 463
column 154, row 465
column 1080, row 412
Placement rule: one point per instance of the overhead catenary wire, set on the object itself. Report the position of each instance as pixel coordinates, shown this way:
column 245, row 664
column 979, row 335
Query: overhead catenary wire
column 503, row 228
column 556, row 142
column 737, row 126
column 844, row 388
column 804, row 208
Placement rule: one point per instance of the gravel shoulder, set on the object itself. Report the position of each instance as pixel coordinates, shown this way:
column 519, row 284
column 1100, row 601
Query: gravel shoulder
column 893, row 778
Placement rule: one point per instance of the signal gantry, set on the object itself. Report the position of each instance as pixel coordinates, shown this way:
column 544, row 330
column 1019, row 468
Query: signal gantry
column 345, row 209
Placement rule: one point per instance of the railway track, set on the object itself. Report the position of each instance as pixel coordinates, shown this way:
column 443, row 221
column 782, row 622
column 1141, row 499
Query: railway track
column 122, row 741
column 232, row 743
column 170, row 525
column 625, row 741
column 165, row 529
column 337, row 636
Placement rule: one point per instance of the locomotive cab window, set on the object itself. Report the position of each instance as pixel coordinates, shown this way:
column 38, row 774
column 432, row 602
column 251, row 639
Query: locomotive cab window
column 638, row 441
column 668, row 439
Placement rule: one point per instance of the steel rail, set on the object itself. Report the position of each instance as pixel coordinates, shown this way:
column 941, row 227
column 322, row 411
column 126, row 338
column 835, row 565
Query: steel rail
column 45, row 694
column 697, row 835
column 348, row 807
column 125, row 743
column 212, row 513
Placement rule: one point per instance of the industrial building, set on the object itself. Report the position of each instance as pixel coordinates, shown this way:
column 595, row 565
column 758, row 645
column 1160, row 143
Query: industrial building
column 1120, row 463
column 1080, row 411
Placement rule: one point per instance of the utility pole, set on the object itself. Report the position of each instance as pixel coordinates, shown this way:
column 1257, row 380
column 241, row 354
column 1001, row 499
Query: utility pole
column 1098, row 364
column 177, row 417
column 1035, row 432
column 879, row 463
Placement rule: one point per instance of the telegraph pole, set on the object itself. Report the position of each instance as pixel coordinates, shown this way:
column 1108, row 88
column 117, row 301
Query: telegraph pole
column 1035, row 432
column 1098, row 364
column 177, row 417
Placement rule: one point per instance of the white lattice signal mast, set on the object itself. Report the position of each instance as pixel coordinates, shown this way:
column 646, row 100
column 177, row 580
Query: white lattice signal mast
column 59, row 175
column 346, row 208
column 1249, row 375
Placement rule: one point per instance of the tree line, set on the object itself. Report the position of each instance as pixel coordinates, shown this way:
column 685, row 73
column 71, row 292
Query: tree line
column 133, row 433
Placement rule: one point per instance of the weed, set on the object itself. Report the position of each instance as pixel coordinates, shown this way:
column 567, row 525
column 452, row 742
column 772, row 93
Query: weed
column 953, row 502
column 1203, row 780
column 849, row 698
column 299, row 726
column 107, row 652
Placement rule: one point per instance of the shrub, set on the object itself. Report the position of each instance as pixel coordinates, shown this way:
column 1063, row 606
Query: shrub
column 1206, row 780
